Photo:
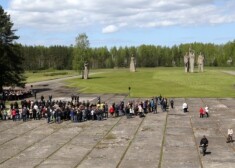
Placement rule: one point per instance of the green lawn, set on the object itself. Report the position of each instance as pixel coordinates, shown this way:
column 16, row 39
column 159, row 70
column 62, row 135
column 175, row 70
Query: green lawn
column 38, row 76
column 169, row 82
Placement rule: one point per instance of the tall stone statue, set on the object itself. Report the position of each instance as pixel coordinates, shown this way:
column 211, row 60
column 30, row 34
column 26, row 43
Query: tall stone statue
column 230, row 61
column 200, row 62
column 132, row 64
column 85, row 70
column 191, row 59
column 186, row 62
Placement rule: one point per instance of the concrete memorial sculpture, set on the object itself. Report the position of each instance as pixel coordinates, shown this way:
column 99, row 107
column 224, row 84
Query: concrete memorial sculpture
column 200, row 62
column 230, row 61
column 191, row 59
column 132, row 64
column 186, row 62
column 85, row 70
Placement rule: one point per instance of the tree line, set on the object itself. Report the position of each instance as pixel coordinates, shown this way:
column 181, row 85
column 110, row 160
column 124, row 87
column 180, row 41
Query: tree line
column 73, row 57
column 16, row 58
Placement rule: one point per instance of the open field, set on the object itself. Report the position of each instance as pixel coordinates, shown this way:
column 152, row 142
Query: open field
column 169, row 82
column 37, row 76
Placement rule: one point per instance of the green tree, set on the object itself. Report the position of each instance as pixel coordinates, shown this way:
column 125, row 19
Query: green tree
column 11, row 71
column 81, row 50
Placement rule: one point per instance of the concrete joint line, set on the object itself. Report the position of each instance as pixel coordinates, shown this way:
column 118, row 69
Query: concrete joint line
column 163, row 142
column 128, row 146
column 20, row 136
column 219, row 126
column 32, row 144
column 86, row 155
column 70, row 139
column 11, row 127
column 195, row 141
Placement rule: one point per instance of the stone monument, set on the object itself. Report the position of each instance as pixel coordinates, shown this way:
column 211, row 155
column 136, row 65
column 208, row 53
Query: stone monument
column 200, row 62
column 230, row 61
column 186, row 62
column 132, row 64
column 85, row 70
column 191, row 59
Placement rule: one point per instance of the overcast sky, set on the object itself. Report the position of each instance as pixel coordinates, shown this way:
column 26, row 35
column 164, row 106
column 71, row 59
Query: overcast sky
column 122, row 22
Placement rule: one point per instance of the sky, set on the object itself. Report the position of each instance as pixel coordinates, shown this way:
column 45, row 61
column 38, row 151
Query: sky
column 123, row 22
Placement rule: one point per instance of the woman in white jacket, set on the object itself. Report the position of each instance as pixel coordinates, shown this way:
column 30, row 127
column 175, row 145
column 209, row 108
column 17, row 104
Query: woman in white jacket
column 185, row 107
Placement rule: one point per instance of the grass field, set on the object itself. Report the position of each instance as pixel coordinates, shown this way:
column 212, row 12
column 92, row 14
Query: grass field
column 37, row 76
column 169, row 82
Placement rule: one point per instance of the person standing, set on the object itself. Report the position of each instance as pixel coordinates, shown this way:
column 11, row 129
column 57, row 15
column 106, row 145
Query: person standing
column 207, row 111
column 13, row 113
column 201, row 111
column 204, row 143
column 185, row 107
column 50, row 98
column 48, row 115
column 230, row 135
column 24, row 112
column 172, row 103
column 111, row 110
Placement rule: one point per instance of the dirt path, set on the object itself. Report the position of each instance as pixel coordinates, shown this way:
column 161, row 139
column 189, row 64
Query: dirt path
column 230, row 72
column 55, row 87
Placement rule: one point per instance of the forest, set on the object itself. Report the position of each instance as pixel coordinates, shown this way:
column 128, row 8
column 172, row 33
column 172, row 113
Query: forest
column 62, row 57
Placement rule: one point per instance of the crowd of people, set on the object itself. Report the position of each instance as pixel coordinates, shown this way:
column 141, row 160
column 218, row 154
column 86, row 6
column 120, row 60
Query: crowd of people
column 76, row 111
column 12, row 94
column 55, row 111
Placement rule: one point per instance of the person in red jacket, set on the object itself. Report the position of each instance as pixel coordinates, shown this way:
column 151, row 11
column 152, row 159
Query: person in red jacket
column 111, row 110
column 202, row 112
column 13, row 113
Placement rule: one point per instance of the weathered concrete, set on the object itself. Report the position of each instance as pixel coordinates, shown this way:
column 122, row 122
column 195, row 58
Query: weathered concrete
column 166, row 139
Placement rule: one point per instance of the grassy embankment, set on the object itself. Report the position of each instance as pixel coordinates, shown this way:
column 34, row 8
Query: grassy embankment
column 169, row 82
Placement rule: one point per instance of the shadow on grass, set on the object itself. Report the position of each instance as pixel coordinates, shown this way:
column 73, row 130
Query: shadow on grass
column 96, row 77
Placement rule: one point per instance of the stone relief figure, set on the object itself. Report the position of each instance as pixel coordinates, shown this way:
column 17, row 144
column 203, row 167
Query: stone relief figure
column 186, row 62
column 191, row 59
column 200, row 62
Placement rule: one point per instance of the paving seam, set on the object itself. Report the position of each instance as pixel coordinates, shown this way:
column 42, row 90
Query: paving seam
column 128, row 146
column 163, row 142
column 30, row 145
column 85, row 156
column 232, row 147
column 61, row 147
column 195, row 141
column 10, row 127
column 21, row 135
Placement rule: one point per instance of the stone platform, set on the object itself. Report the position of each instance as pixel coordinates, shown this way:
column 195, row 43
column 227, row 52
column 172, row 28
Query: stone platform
column 164, row 140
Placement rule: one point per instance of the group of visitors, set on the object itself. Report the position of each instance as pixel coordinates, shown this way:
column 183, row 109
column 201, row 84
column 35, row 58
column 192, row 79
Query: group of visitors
column 76, row 111
column 58, row 111
column 11, row 94
column 204, row 112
